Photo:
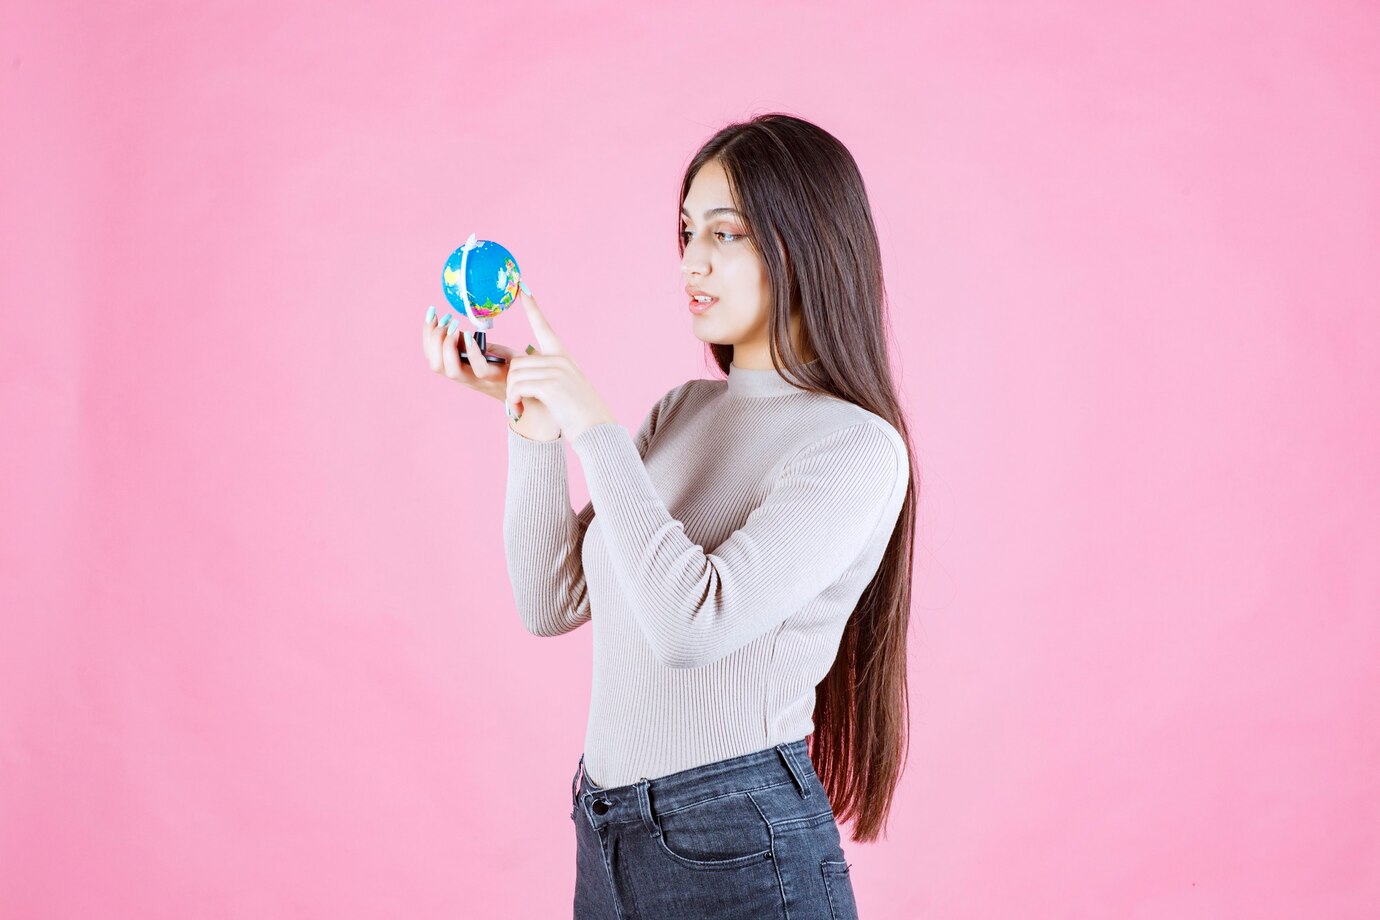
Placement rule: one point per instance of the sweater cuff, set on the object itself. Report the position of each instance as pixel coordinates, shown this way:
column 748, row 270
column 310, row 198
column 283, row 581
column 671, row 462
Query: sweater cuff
column 536, row 454
column 610, row 459
column 601, row 437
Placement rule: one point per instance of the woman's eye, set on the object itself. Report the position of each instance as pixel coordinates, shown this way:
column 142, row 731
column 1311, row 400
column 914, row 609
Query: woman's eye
column 736, row 236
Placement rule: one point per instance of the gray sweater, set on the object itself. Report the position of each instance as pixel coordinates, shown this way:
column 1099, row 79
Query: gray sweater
column 722, row 551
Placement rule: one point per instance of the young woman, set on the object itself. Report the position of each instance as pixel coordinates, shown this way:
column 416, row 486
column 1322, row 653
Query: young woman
column 745, row 557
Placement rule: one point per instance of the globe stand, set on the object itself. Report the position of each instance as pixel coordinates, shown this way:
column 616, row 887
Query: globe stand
column 479, row 342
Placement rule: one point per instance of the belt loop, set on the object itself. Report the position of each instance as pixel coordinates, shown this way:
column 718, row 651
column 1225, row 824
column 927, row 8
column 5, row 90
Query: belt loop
column 644, row 807
column 575, row 782
column 784, row 749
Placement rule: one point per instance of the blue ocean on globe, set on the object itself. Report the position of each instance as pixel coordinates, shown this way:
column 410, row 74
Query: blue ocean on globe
column 490, row 278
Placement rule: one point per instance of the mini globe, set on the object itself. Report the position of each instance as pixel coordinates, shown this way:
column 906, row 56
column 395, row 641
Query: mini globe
column 480, row 279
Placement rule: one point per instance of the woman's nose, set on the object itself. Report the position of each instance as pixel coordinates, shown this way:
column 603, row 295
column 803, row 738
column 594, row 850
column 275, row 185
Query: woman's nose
column 689, row 266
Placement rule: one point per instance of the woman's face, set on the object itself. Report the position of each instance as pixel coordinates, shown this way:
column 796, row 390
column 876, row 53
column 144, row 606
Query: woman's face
column 723, row 262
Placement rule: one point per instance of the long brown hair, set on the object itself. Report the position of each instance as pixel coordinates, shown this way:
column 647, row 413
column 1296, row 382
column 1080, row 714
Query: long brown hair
column 798, row 185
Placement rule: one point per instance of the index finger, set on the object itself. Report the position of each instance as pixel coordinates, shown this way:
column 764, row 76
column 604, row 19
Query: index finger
column 546, row 336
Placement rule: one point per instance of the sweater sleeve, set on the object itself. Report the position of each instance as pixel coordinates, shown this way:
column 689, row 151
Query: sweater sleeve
column 693, row 605
column 543, row 535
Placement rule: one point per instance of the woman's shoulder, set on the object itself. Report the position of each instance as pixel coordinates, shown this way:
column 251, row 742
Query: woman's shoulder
column 695, row 389
column 815, row 416
column 837, row 423
column 680, row 392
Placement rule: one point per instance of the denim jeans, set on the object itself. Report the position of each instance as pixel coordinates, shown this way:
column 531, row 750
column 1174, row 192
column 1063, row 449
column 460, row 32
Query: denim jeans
column 751, row 836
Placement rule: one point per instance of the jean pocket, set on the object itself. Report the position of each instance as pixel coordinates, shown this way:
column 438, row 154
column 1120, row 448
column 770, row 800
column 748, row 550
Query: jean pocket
column 575, row 787
column 839, row 887
column 721, row 832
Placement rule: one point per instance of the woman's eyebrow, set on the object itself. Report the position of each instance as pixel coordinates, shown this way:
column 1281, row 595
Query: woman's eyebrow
column 711, row 212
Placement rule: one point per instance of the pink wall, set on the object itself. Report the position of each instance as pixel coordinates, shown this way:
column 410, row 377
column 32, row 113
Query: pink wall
column 259, row 656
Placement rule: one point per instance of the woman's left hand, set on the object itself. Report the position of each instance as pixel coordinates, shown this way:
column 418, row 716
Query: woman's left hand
column 552, row 377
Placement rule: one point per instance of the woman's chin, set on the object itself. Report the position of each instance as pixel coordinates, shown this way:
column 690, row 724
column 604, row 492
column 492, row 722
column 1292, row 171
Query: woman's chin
column 706, row 339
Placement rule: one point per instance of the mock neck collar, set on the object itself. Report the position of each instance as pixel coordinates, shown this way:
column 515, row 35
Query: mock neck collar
column 765, row 381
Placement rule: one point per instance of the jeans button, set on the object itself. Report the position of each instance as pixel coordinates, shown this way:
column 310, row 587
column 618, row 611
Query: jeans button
column 601, row 806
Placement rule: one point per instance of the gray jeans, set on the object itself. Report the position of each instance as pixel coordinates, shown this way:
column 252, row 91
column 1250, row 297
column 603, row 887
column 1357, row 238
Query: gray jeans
column 752, row 836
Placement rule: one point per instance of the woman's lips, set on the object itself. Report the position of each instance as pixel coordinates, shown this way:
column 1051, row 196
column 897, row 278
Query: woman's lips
column 696, row 307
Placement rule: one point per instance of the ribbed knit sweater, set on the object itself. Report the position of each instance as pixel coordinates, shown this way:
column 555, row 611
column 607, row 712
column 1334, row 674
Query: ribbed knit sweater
column 723, row 549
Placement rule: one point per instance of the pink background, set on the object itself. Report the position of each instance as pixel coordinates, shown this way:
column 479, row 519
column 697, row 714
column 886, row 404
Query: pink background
column 259, row 654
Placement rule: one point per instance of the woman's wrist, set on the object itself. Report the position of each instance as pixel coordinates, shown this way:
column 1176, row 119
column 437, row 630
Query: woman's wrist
column 535, row 429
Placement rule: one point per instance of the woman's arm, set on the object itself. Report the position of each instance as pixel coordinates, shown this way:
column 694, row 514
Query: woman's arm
column 542, row 535
column 696, row 606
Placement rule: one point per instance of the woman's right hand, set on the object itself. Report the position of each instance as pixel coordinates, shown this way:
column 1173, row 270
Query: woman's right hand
column 441, row 345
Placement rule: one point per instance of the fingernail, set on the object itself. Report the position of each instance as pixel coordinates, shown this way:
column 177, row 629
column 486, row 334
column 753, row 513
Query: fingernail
column 530, row 350
column 509, row 409
column 430, row 313
column 445, row 320
column 525, row 289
